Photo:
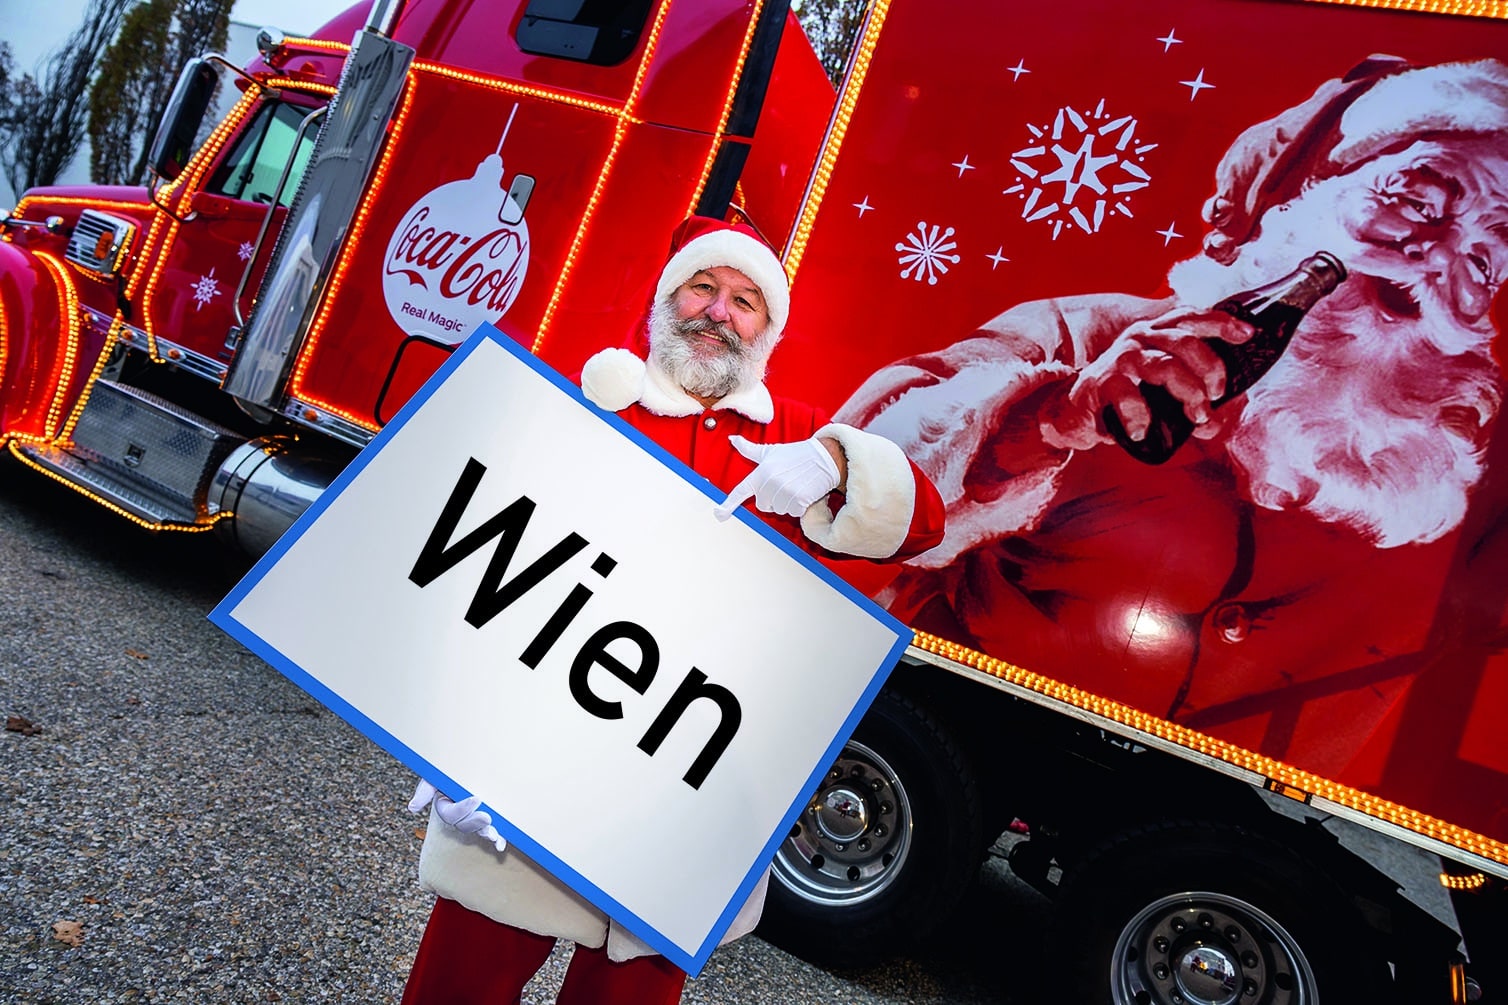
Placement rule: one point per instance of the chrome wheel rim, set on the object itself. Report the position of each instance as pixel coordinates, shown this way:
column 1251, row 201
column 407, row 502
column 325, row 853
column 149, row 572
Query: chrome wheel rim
column 851, row 841
column 1205, row 948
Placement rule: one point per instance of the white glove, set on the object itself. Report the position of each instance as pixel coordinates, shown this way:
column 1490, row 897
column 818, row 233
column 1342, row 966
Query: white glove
column 463, row 816
column 789, row 476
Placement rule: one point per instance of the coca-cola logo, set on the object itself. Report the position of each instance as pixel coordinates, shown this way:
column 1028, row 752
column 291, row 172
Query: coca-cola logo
column 458, row 257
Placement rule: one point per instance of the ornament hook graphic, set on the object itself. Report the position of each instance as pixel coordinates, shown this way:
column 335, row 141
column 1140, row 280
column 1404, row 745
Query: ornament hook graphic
column 511, row 213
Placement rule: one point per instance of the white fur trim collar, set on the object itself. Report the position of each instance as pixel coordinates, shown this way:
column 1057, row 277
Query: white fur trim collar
column 615, row 378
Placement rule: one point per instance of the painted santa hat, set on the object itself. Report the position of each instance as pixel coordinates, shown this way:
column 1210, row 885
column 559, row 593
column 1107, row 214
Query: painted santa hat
column 1382, row 104
column 702, row 242
column 1444, row 98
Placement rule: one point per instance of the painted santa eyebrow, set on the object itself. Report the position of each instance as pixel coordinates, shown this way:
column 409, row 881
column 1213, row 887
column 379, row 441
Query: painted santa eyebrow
column 1428, row 174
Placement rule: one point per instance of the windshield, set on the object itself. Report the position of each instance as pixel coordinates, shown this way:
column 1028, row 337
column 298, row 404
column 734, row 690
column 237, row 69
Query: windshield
column 256, row 162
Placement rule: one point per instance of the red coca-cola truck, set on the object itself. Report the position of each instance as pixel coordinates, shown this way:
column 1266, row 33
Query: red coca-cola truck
column 1238, row 712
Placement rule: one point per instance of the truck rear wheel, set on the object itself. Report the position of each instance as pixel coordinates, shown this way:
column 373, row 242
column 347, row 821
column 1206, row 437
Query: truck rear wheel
column 885, row 848
column 1206, row 914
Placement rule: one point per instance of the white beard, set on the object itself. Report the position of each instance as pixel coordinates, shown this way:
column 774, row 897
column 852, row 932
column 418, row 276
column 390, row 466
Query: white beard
column 686, row 360
column 1371, row 420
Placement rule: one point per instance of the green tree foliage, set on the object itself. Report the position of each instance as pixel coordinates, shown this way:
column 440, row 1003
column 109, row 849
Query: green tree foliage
column 42, row 117
column 137, row 75
column 832, row 27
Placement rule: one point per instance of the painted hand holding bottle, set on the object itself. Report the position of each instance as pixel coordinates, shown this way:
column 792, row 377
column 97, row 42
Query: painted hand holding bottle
column 1273, row 311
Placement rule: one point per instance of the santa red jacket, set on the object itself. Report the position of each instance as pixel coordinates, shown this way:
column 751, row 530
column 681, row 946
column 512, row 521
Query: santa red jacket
column 889, row 509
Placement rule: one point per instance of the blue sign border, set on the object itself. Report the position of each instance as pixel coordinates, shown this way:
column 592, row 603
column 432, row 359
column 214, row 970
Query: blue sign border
column 222, row 617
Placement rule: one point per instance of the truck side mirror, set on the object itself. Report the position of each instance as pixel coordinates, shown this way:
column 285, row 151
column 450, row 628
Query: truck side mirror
column 174, row 143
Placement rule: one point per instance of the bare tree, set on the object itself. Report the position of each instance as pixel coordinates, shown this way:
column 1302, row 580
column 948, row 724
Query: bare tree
column 7, row 71
column 44, row 116
column 202, row 27
column 832, row 26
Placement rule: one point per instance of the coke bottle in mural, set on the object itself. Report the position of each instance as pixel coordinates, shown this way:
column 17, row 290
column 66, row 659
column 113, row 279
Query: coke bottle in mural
column 1273, row 310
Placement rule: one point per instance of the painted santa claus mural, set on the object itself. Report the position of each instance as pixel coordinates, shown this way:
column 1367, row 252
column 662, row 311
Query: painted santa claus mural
column 1316, row 575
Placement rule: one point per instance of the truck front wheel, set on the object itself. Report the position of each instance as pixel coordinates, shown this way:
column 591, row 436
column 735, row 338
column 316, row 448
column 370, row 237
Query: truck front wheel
column 887, row 845
column 1201, row 914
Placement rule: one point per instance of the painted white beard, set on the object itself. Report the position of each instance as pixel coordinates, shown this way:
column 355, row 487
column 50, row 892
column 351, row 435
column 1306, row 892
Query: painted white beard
column 704, row 375
column 1370, row 420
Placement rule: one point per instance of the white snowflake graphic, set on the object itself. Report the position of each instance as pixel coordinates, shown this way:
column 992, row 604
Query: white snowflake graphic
column 244, row 252
column 206, row 289
column 1080, row 169
column 925, row 253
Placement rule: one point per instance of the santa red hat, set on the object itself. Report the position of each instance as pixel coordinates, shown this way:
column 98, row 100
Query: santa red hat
column 702, row 242
column 1382, row 104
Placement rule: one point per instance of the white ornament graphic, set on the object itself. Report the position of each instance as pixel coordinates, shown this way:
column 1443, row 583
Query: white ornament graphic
column 863, row 206
column 244, row 251
column 1080, row 170
column 206, row 289
column 459, row 255
column 925, row 253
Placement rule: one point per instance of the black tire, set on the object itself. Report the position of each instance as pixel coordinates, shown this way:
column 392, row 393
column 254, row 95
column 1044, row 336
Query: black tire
column 1203, row 913
column 887, row 846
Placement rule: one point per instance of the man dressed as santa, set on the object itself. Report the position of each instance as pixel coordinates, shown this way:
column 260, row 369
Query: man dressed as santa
column 718, row 311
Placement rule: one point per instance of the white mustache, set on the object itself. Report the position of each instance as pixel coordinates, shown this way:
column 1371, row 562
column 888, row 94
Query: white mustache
column 706, row 326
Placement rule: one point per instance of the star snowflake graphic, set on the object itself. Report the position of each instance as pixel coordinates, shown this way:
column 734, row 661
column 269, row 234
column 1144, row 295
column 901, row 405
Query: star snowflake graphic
column 244, row 251
column 1080, row 170
column 206, row 289
column 925, row 253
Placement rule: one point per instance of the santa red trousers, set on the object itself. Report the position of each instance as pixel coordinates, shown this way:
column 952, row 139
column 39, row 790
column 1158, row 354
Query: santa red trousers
column 466, row 958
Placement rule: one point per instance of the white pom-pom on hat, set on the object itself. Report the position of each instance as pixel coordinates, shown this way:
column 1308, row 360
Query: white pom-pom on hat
column 613, row 379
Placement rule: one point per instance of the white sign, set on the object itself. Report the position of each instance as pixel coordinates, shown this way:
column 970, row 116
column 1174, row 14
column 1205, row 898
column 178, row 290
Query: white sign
column 521, row 597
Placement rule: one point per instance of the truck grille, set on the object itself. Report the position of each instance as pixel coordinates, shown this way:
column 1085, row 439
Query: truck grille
column 99, row 242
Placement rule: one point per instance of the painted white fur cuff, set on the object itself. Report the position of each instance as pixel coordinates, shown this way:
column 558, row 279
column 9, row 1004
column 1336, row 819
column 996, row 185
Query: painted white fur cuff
column 613, row 379
column 878, row 500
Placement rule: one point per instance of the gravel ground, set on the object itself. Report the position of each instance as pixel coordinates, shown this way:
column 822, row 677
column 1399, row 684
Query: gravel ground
column 189, row 825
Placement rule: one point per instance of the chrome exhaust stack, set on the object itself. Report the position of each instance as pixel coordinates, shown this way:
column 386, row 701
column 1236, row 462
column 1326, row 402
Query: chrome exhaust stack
column 266, row 484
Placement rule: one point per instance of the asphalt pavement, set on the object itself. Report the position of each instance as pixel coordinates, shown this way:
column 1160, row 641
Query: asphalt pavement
column 178, row 821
